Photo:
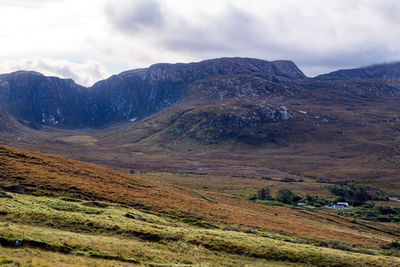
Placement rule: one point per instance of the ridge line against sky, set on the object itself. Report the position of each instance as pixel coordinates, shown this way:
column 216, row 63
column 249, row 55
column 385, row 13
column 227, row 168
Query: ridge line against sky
column 92, row 39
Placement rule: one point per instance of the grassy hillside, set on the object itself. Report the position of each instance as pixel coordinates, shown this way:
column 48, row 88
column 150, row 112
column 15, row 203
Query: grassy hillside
column 51, row 229
column 103, row 230
column 66, row 212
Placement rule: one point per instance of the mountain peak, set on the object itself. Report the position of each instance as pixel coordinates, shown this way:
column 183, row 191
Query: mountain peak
column 222, row 66
column 131, row 94
column 26, row 72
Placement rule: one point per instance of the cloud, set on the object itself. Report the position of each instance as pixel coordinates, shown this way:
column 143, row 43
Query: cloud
column 317, row 35
column 313, row 33
column 133, row 16
column 84, row 74
column 230, row 32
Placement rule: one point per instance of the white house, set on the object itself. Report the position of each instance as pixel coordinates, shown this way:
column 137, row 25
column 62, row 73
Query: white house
column 338, row 206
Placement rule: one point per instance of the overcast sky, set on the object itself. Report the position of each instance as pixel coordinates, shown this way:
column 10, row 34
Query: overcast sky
column 88, row 40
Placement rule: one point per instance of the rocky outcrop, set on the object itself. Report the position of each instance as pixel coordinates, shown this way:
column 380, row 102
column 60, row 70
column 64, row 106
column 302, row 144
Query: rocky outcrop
column 237, row 106
column 238, row 87
column 248, row 122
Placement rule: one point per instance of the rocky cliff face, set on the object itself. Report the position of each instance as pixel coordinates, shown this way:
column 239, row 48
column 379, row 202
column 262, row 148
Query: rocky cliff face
column 128, row 96
column 138, row 93
column 45, row 100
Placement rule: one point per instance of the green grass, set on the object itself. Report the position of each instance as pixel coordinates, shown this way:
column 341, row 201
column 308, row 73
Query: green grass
column 120, row 235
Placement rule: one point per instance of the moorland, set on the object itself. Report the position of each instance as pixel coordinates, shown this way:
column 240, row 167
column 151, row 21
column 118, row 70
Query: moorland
column 201, row 163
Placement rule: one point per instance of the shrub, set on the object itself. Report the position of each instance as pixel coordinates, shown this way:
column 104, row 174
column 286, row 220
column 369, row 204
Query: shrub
column 262, row 194
column 316, row 201
column 395, row 244
column 177, row 132
column 4, row 195
column 296, row 199
column 385, row 210
column 288, row 180
column 96, row 204
column 285, row 196
column 355, row 194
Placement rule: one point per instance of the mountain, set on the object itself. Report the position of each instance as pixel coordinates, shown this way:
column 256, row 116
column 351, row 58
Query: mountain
column 379, row 71
column 188, row 146
column 239, row 107
column 257, row 109
column 132, row 94
column 138, row 93
column 34, row 97
column 337, row 128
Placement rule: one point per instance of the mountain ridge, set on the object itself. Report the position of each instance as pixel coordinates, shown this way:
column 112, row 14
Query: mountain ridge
column 135, row 94
column 377, row 71
column 130, row 94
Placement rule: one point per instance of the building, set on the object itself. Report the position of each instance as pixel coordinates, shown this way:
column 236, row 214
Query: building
column 338, row 206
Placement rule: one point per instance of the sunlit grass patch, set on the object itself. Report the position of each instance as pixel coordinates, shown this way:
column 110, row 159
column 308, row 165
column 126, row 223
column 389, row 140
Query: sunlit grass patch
column 56, row 226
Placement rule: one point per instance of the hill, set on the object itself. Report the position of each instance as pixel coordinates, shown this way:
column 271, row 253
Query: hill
column 55, row 206
column 7, row 123
column 14, row 131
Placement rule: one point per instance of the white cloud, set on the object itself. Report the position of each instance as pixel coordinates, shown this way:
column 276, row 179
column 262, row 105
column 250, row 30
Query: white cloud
column 85, row 74
column 315, row 34
column 318, row 35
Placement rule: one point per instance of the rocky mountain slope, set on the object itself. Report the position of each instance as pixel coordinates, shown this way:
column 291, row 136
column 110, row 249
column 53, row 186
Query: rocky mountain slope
column 383, row 71
column 136, row 94
column 128, row 96
column 339, row 128
column 258, row 109
column 8, row 124
column 44, row 100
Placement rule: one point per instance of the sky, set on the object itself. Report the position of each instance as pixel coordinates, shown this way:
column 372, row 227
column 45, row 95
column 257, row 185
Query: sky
column 89, row 40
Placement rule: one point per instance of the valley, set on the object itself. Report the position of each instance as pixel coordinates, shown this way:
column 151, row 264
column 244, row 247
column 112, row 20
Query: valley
column 162, row 166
